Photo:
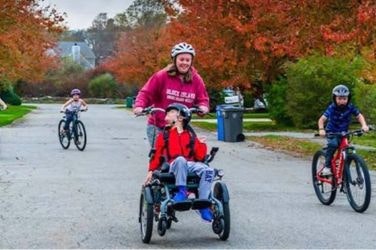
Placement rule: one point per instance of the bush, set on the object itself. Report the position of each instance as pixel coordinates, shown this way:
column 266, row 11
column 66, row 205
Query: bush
column 277, row 102
column 310, row 82
column 365, row 95
column 248, row 99
column 9, row 96
column 103, row 86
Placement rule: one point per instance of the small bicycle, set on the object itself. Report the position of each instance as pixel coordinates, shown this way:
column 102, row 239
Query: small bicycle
column 76, row 131
column 350, row 174
column 156, row 203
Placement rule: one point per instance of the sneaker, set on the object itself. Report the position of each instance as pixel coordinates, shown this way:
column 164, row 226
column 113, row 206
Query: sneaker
column 326, row 172
column 206, row 214
column 181, row 195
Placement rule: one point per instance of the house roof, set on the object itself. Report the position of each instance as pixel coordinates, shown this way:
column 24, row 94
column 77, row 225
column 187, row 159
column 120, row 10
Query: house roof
column 65, row 49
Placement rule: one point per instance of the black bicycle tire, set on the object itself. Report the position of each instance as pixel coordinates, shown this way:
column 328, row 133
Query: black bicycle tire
column 322, row 199
column 360, row 208
column 59, row 129
column 80, row 146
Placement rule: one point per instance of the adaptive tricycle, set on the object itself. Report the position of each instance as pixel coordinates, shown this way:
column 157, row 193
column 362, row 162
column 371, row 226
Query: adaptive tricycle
column 157, row 203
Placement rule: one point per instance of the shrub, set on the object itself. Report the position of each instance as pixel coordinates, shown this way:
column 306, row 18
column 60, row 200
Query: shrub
column 310, row 82
column 9, row 96
column 103, row 86
column 277, row 102
column 365, row 95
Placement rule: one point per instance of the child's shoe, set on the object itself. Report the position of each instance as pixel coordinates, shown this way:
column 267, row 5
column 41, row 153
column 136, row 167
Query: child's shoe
column 206, row 214
column 326, row 172
column 181, row 195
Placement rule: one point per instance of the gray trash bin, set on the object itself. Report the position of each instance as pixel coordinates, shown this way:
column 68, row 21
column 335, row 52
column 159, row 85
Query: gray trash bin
column 231, row 129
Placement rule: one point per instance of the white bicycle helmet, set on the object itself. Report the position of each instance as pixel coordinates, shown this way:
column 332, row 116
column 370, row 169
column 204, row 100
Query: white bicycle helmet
column 182, row 48
column 341, row 90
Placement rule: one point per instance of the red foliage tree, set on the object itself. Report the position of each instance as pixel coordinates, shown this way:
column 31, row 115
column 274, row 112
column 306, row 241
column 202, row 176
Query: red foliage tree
column 27, row 31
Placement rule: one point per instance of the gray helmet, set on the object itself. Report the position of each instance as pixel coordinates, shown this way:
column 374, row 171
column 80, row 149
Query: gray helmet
column 181, row 48
column 183, row 112
column 341, row 90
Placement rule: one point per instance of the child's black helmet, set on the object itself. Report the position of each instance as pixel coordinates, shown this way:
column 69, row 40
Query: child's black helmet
column 183, row 111
column 341, row 90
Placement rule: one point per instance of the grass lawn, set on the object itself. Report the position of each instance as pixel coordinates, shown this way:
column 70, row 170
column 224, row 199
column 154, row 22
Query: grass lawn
column 304, row 148
column 13, row 113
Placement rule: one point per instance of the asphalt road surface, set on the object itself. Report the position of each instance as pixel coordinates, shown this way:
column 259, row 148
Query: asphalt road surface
column 56, row 198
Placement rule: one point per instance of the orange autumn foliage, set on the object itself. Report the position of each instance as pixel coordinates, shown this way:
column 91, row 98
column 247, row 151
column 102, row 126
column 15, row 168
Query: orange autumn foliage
column 26, row 33
column 239, row 42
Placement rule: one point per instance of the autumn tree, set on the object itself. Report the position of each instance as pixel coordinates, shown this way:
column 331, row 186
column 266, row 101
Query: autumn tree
column 140, row 51
column 27, row 31
column 240, row 42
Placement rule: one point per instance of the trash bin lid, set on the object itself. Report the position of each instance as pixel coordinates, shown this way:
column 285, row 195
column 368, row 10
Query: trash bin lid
column 226, row 107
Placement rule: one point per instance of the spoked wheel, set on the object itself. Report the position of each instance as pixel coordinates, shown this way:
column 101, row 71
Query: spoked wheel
column 80, row 136
column 357, row 183
column 221, row 222
column 63, row 136
column 145, row 217
column 325, row 191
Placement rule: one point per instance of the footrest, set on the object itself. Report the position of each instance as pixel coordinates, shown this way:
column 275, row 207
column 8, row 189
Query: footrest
column 182, row 205
column 201, row 203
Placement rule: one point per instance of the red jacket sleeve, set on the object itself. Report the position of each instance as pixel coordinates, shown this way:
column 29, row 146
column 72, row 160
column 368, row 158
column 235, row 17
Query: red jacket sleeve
column 200, row 150
column 155, row 161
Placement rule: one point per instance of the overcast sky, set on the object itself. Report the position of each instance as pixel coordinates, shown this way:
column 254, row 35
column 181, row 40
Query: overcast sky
column 81, row 13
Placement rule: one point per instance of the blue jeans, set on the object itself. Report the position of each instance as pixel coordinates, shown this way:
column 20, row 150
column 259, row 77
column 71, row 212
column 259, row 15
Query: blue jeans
column 180, row 167
column 68, row 118
column 152, row 132
column 333, row 144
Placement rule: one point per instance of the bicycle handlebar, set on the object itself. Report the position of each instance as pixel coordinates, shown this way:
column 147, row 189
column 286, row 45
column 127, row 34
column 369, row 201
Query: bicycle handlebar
column 358, row 132
column 81, row 110
column 151, row 109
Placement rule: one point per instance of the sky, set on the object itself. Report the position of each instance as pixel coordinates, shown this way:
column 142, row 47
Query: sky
column 81, row 13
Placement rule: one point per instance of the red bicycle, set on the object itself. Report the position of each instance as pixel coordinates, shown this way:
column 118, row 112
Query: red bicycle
column 350, row 174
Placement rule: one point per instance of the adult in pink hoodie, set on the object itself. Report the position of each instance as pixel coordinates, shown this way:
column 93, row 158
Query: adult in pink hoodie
column 177, row 83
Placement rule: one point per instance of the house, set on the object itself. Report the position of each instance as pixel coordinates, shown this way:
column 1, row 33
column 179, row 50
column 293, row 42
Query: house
column 80, row 52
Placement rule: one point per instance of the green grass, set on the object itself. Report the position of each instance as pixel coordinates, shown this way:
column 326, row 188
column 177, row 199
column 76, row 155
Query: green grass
column 304, row 148
column 293, row 146
column 13, row 113
column 368, row 139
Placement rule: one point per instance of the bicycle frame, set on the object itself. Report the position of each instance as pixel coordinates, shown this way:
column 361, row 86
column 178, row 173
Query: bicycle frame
column 337, row 164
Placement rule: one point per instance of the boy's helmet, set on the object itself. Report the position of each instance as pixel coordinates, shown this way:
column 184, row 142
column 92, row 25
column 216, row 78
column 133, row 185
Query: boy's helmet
column 341, row 90
column 181, row 48
column 75, row 92
column 183, row 112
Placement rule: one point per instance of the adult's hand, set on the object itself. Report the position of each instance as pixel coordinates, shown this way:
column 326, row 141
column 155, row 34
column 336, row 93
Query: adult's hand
column 137, row 110
column 203, row 110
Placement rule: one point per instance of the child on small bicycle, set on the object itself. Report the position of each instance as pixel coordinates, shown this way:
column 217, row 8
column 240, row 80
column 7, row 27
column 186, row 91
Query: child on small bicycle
column 73, row 105
column 338, row 116
column 185, row 153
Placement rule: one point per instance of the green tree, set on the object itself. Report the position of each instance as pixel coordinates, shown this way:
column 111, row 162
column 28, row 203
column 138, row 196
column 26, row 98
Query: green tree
column 310, row 82
column 365, row 95
column 103, row 86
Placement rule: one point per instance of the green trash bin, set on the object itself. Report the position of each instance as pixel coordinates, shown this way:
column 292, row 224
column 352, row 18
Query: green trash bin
column 129, row 101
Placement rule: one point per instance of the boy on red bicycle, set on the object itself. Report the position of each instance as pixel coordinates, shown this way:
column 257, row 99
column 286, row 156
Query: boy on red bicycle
column 338, row 114
column 185, row 153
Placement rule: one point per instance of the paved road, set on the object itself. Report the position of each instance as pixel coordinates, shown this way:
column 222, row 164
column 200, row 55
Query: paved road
column 55, row 198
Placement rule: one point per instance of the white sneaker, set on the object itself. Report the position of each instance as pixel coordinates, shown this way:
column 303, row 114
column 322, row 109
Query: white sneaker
column 326, row 172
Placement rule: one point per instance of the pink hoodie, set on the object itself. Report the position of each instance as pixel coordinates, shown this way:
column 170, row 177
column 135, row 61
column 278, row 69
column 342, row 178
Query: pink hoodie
column 162, row 89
